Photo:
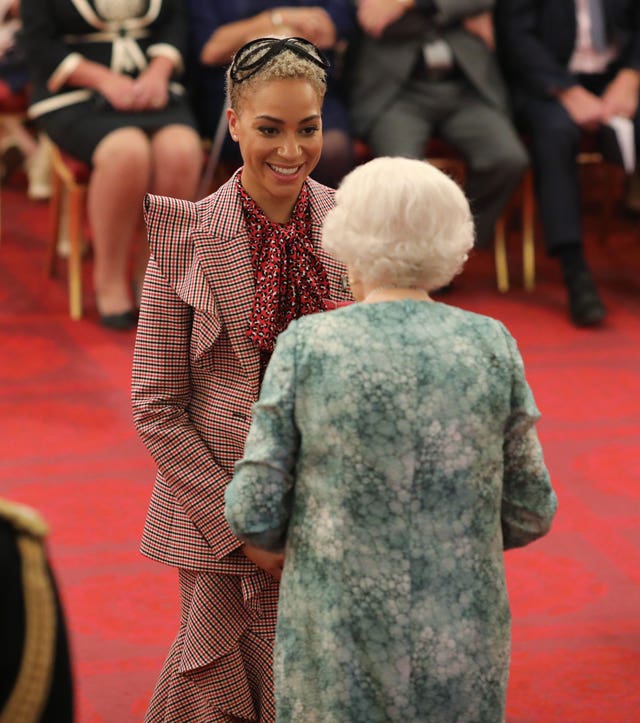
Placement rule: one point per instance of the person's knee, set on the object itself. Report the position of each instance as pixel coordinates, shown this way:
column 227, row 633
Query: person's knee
column 552, row 132
column 508, row 159
column 178, row 148
column 125, row 149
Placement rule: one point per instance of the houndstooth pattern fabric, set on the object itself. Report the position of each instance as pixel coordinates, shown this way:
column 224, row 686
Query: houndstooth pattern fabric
column 212, row 677
column 195, row 377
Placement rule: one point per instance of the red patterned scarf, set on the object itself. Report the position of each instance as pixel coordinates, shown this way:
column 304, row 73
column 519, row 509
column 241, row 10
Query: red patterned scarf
column 290, row 280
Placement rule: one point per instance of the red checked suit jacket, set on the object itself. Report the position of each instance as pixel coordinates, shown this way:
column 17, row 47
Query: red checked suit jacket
column 196, row 374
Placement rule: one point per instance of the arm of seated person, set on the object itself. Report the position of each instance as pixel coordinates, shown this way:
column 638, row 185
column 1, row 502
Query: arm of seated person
column 226, row 39
column 118, row 89
column 152, row 85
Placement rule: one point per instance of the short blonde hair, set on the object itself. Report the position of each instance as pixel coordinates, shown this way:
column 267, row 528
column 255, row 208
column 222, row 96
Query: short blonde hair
column 400, row 221
column 284, row 65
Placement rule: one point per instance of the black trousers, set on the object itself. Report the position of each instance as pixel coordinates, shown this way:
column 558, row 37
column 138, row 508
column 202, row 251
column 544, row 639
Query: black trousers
column 554, row 143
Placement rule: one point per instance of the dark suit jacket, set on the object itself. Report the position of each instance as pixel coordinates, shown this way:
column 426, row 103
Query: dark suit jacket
column 536, row 39
column 379, row 68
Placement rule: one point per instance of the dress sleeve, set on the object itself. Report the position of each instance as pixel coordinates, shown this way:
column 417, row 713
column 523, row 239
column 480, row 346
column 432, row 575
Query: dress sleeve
column 528, row 500
column 48, row 56
column 170, row 33
column 260, row 495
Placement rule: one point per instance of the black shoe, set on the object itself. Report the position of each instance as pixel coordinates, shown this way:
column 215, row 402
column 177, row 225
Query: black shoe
column 11, row 158
column 585, row 305
column 125, row 321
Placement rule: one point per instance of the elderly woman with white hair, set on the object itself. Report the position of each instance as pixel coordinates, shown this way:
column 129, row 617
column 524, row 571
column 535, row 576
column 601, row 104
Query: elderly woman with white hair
column 393, row 457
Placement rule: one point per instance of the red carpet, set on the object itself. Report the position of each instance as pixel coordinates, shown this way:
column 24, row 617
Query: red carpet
column 69, row 448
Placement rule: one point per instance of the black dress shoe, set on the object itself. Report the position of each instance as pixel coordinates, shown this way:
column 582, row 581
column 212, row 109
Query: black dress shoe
column 585, row 306
column 126, row 320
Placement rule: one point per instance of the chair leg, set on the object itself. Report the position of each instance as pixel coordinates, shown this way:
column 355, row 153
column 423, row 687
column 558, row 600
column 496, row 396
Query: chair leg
column 500, row 252
column 528, row 225
column 607, row 204
column 75, row 211
column 55, row 208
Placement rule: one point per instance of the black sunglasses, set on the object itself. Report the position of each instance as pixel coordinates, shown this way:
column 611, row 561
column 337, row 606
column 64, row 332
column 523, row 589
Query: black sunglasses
column 255, row 54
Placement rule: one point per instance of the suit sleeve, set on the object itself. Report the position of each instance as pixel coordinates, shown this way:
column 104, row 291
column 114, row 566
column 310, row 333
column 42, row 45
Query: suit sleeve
column 528, row 500
column 260, row 495
column 448, row 12
column 161, row 392
column 343, row 15
column 631, row 56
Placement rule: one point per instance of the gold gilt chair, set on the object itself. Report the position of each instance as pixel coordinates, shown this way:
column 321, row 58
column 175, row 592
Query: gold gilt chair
column 70, row 178
column 441, row 155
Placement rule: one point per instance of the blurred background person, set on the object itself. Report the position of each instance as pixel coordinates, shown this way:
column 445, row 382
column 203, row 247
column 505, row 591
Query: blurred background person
column 226, row 275
column 392, row 457
column 423, row 68
column 572, row 65
column 105, row 91
column 218, row 28
column 20, row 146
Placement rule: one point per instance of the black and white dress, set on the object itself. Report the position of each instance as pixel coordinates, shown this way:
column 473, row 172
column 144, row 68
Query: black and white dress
column 123, row 35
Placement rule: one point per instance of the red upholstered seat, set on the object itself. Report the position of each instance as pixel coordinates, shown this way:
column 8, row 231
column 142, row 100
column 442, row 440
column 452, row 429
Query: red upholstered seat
column 79, row 170
column 11, row 102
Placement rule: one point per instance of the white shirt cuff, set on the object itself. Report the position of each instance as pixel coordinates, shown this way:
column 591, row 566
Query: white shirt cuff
column 59, row 76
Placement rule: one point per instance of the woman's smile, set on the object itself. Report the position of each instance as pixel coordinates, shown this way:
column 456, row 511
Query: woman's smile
column 279, row 129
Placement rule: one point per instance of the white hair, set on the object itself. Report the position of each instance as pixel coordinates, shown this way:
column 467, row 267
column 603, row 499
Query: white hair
column 400, row 221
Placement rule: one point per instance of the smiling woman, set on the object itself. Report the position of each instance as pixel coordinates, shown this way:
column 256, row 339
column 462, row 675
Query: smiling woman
column 275, row 117
column 279, row 131
column 226, row 276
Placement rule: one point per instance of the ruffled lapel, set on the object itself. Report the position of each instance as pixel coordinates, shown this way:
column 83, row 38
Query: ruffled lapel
column 222, row 248
column 202, row 251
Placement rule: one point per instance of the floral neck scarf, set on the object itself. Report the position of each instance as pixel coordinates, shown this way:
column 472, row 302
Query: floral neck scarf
column 290, row 280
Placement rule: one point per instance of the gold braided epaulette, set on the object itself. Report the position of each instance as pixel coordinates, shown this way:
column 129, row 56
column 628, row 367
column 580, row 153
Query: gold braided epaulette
column 24, row 519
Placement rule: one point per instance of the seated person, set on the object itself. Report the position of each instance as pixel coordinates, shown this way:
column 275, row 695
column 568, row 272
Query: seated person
column 428, row 67
column 571, row 69
column 218, row 28
column 105, row 91
column 18, row 146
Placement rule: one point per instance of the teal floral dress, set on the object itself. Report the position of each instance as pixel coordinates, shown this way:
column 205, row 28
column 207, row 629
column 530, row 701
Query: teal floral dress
column 393, row 456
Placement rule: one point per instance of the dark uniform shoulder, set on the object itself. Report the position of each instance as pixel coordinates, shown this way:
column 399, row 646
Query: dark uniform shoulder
column 35, row 670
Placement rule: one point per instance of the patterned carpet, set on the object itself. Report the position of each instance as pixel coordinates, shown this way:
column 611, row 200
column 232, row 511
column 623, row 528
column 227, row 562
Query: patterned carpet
column 69, row 448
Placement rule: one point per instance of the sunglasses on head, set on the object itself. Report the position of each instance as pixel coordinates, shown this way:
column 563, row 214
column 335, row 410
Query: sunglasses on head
column 255, row 54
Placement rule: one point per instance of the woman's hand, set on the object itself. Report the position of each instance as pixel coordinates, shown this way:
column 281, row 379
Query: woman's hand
column 311, row 23
column 118, row 89
column 151, row 88
column 270, row 562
